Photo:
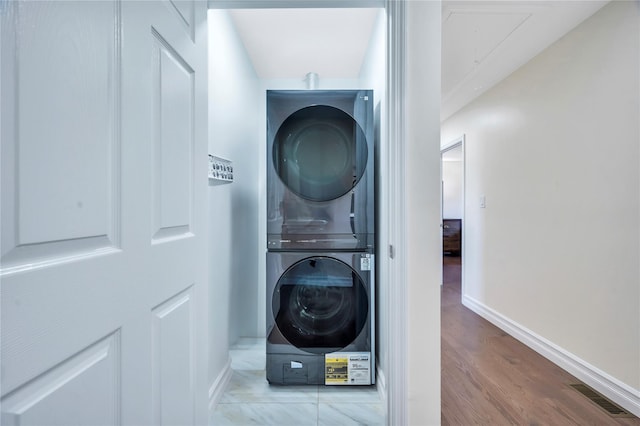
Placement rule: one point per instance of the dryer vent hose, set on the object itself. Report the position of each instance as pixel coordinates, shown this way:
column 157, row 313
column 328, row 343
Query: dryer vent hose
column 312, row 80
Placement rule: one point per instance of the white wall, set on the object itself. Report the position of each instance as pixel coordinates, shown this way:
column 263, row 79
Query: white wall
column 233, row 125
column 452, row 189
column 555, row 149
column 421, row 211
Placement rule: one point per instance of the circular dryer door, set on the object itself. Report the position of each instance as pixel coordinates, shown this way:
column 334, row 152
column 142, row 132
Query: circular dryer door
column 320, row 152
column 320, row 304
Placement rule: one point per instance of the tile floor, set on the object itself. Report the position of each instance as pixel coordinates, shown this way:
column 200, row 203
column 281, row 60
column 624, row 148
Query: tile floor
column 250, row 400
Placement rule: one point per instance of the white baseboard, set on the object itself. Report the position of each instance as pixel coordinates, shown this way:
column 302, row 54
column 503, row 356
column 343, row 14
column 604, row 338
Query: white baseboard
column 621, row 393
column 218, row 386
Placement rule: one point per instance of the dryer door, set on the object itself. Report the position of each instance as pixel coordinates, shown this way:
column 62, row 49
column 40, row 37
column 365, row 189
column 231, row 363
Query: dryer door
column 320, row 304
column 320, row 153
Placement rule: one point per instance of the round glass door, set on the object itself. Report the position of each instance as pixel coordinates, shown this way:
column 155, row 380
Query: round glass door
column 320, row 303
column 320, row 153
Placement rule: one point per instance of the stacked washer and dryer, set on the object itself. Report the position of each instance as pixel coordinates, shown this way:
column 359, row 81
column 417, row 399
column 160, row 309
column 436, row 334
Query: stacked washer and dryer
column 320, row 237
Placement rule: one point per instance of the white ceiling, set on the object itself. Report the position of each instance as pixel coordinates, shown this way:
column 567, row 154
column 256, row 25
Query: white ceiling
column 482, row 41
column 485, row 41
column 289, row 43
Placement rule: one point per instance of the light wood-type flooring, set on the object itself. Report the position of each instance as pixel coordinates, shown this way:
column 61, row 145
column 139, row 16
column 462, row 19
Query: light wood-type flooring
column 490, row 378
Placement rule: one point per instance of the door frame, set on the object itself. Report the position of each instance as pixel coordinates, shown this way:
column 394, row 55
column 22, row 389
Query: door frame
column 396, row 301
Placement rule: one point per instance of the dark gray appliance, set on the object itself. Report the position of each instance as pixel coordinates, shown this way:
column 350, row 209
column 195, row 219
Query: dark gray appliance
column 320, row 181
column 320, row 318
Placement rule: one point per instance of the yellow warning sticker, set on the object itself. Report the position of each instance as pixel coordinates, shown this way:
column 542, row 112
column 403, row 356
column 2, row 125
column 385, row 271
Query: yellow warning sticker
column 336, row 370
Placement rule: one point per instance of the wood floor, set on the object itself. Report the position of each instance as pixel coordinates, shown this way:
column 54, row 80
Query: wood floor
column 489, row 378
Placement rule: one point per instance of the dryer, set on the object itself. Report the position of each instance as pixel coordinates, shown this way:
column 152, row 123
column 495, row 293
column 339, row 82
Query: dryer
column 320, row 177
column 320, row 318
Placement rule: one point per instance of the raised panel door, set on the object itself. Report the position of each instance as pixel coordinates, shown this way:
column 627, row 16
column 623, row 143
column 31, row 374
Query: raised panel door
column 103, row 267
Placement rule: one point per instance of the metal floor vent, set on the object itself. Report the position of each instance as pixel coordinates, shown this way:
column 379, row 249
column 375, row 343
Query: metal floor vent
column 610, row 407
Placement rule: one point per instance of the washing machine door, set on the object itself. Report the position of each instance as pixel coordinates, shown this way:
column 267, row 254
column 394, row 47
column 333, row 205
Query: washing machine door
column 320, row 304
column 320, row 153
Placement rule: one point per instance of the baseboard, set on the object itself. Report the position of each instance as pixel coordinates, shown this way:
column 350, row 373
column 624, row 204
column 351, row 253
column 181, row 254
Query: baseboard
column 219, row 386
column 621, row 393
column 381, row 384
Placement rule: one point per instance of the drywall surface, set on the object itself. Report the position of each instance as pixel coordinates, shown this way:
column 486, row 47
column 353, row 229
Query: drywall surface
column 423, row 247
column 233, row 121
column 554, row 148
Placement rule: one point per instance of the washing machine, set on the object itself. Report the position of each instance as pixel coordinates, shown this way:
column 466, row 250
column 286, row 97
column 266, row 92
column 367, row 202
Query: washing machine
column 320, row 318
column 320, row 171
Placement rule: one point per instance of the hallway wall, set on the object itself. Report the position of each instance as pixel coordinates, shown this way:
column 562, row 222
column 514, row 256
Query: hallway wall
column 555, row 150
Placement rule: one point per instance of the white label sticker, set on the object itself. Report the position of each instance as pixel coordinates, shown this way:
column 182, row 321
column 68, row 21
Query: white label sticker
column 359, row 369
column 295, row 364
column 365, row 263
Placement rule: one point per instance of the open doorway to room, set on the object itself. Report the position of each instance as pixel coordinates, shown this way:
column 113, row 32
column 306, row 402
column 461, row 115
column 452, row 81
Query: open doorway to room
column 452, row 166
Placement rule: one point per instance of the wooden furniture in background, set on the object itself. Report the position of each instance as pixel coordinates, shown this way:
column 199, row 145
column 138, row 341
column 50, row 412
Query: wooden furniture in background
column 452, row 236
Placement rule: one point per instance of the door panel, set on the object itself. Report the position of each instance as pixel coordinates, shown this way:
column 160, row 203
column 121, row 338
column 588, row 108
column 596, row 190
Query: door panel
column 173, row 101
column 91, row 378
column 185, row 10
column 59, row 132
column 103, row 262
column 173, row 352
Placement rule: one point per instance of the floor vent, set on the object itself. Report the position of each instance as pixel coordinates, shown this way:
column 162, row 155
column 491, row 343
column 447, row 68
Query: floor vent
column 610, row 407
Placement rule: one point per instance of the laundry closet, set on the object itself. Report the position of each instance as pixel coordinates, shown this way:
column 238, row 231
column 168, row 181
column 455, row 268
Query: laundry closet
column 239, row 294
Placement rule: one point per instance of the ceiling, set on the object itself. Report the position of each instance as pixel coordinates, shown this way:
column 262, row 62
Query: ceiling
column 485, row 41
column 289, row 43
column 482, row 41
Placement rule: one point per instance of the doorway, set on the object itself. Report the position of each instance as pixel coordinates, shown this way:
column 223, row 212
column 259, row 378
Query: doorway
column 241, row 130
column 452, row 203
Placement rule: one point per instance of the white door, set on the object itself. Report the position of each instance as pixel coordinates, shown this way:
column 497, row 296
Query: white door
column 103, row 291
